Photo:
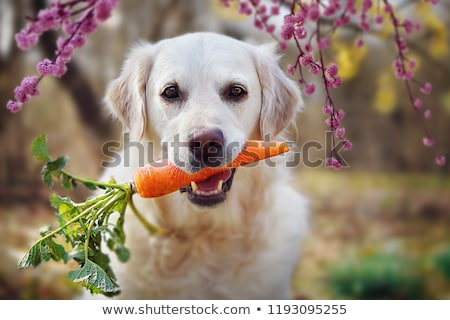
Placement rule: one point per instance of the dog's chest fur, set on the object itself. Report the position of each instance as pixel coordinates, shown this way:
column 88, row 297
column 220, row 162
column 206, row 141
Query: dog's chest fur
column 246, row 248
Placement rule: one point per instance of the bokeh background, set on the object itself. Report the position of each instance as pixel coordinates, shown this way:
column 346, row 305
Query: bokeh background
column 379, row 228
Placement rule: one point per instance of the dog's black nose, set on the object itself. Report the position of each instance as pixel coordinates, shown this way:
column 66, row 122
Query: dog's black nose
column 206, row 148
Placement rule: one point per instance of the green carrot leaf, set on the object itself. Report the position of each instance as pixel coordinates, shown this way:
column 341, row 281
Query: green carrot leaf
column 52, row 169
column 42, row 251
column 39, row 148
column 94, row 278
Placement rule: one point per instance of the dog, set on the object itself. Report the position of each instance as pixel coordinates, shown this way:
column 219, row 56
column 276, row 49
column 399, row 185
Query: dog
column 238, row 234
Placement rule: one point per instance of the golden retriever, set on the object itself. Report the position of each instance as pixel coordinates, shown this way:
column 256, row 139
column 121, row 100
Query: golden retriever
column 189, row 99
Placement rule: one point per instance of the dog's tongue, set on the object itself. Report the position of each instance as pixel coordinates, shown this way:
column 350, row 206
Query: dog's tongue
column 211, row 183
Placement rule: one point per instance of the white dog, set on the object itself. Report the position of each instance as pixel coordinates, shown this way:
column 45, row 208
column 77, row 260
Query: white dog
column 190, row 98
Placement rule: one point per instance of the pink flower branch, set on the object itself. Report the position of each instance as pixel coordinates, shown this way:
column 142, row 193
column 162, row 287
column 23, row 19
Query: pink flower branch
column 58, row 16
column 304, row 23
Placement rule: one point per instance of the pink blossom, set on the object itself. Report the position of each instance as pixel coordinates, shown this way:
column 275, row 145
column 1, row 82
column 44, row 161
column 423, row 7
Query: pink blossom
column 300, row 32
column 401, row 44
column 226, row 3
column 29, row 84
column 68, row 27
column 332, row 122
column 88, row 24
column 26, row 40
column 379, row 19
column 359, row 43
column 328, row 109
column 314, row 69
column 418, row 103
column 306, row 60
column 332, row 70
column 440, row 160
column 287, row 30
column 309, row 89
column 262, row 10
column 340, row 114
column 258, row 24
column 245, row 9
column 48, row 19
column 329, row 11
column 308, row 47
column 426, row 88
column 347, row 145
column 270, row 28
column 387, row 8
column 104, row 8
column 428, row 142
column 323, row 43
column 340, row 133
column 13, row 106
column 313, row 12
column 46, row 67
column 334, row 163
column 59, row 68
column 78, row 40
column 275, row 10
column 409, row 26
column 65, row 50
column 291, row 69
column 334, row 82
column 21, row 95
column 342, row 20
column 427, row 114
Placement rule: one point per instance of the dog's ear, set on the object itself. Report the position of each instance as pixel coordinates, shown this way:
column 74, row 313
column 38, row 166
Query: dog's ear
column 281, row 96
column 126, row 95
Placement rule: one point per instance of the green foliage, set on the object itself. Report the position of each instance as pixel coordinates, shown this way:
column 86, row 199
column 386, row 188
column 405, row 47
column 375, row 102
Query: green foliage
column 84, row 226
column 442, row 262
column 378, row 276
column 94, row 278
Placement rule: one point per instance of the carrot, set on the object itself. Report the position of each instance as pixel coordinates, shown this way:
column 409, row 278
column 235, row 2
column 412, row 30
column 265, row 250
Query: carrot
column 153, row 181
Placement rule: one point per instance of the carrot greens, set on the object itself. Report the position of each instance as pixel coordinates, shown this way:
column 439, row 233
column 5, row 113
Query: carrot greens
column 87, row 225
column 84, row 226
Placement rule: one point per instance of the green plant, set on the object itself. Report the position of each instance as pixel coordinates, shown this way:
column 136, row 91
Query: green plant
column 442, row 262
column 378, row 276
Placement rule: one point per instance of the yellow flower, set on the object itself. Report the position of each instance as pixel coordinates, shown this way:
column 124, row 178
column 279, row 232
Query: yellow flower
column 386, row 96
column 436, row 30
column 230, row 13
column 348, row 58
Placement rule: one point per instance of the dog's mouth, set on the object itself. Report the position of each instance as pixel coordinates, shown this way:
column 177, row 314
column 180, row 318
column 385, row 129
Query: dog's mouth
column 212, row 191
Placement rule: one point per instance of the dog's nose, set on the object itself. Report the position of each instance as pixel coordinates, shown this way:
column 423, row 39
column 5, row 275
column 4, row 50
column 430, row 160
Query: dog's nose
column 206, row 148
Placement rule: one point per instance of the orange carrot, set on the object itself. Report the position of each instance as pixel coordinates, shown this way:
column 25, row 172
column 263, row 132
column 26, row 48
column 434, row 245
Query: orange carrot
column 154, row 181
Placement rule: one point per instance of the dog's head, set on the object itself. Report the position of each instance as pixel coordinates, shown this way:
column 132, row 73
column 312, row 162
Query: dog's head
column 201, row 96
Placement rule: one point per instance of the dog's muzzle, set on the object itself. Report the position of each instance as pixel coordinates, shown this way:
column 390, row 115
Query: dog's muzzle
column 212, row 191
column 206, row 149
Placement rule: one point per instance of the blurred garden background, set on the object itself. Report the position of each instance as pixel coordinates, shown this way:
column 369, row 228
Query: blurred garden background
column 380, row 228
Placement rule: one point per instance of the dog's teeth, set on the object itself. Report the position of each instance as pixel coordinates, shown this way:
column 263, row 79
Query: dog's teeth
column 219, row 185
column 194, row 186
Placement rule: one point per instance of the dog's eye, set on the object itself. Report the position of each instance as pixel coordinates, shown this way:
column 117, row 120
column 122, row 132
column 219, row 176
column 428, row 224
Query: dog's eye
column 236, row 92
column 171, row 93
